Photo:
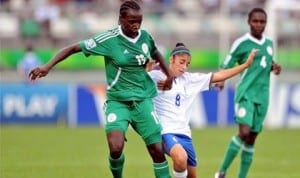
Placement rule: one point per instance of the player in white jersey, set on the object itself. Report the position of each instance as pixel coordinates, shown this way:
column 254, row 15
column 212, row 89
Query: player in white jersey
column 173, row 107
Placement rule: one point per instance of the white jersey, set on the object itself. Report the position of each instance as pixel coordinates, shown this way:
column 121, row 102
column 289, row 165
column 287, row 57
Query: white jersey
column 173, row 107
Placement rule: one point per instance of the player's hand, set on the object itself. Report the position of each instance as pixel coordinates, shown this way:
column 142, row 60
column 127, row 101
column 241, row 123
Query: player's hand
column 219, row 85
column 151, row 65
column 38, row 72
column 165, row 84
column 276, row 68
column 251, row 57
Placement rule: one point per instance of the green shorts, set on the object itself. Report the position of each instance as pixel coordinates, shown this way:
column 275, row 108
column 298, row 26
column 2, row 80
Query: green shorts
column 251, row 114
column 139, row 114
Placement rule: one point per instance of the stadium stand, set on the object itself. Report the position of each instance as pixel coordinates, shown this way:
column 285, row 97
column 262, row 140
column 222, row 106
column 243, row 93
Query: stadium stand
column 74, row 20
column 9, row 26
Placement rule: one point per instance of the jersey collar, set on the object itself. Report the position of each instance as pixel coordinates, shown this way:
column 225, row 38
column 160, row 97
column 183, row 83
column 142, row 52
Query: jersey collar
column 133, row 40
column 260, row 42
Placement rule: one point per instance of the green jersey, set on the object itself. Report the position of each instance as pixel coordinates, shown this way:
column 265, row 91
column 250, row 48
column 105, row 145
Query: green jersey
column 125, row 60
column 255, row 81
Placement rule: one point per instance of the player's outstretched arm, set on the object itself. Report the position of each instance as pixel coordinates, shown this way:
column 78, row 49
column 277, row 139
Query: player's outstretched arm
column 42, row 71
column 228, row 73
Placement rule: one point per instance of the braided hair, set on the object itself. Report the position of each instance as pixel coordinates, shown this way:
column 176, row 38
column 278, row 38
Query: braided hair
column 180, row 49
column 254, row 10
column 127, row 5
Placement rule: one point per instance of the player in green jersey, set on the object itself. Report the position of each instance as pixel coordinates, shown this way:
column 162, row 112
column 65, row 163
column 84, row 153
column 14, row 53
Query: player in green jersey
column 252, row 91
column 126, row 50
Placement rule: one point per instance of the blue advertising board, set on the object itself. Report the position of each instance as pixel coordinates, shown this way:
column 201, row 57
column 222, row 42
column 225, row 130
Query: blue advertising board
column 89, row 103
column 33, row 103
column 78, row 105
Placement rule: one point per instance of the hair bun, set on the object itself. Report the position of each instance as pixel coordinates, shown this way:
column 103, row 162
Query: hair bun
column 180, row 49
column 180, row 44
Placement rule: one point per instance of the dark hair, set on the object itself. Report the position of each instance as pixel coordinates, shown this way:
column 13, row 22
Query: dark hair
column 127, row 5
column 180, row 48
column 254, row 10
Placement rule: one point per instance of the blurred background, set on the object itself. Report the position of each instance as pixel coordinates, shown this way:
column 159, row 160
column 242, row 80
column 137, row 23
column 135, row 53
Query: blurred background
column 74, row 92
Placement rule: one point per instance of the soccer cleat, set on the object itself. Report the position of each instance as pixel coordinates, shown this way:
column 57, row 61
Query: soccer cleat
column 220, row 175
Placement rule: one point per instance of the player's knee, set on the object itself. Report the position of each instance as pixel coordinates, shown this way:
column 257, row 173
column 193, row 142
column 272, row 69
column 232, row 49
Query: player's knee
column 115, row 141
column 244, row 132
column 244, row 135
column 179, row 157
column 180, row 162
column 116, row 148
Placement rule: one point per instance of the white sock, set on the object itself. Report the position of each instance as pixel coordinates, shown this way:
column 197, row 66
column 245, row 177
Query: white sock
column 182, row 174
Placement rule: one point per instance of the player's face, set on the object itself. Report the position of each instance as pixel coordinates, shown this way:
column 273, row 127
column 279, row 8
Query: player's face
column 131, row 23
column 179, row 64
column 257, row 23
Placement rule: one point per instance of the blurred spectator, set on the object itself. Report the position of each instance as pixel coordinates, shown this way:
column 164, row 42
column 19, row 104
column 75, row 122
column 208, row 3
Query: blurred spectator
column 210, row 6
column 45, row 13
column 84, row 4
column 29, row 26
column 28, row 62
column 161, row 7
column 62, row 2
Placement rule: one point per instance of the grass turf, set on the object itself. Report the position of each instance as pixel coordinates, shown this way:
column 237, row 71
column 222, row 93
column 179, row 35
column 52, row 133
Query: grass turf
column 48, row 152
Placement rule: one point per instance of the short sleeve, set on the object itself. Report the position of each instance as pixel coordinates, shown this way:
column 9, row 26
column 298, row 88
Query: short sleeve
column 100, row 44
column 157, row 75
column 91, row 47
column 197, row 82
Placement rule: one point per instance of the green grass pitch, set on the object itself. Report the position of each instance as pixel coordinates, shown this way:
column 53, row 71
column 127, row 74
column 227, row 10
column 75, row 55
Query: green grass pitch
column 59, row 152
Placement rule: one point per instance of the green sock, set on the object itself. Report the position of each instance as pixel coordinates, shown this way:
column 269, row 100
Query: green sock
column 232, row 150
column 116, row 166
column 161, row 170
column 246, row 160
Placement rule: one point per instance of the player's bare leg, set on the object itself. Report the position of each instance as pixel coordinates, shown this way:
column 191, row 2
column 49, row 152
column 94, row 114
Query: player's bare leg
column 115, row 141
column 179, row 157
